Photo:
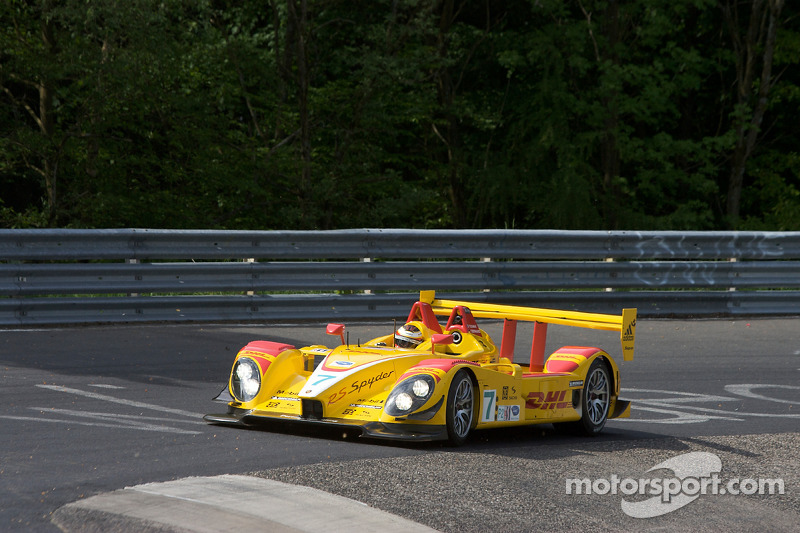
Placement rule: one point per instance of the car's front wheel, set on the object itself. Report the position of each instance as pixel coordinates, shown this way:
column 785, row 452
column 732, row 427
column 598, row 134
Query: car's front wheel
column 460, row 408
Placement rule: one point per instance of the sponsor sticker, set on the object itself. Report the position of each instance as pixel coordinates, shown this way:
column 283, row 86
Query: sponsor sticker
column 508, row 413
column 363, row 406
column 551, row 400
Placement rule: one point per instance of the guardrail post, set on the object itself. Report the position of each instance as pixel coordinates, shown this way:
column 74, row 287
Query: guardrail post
column 610, row 260
column 136, row 278
column 366, row 260
column 250, row 260
column 486, row 260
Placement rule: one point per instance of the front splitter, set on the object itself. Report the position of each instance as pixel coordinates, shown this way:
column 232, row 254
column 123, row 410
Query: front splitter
column 375, row 430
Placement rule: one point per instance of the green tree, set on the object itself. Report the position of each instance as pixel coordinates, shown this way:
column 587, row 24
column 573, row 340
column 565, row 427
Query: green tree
column 330, row 113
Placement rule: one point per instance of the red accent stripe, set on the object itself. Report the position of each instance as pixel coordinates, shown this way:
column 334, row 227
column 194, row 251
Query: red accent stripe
column 262, row 362
column 268, row 347
column 445, row 364
column 561, row 366
column 416, row 372
column 583, row 351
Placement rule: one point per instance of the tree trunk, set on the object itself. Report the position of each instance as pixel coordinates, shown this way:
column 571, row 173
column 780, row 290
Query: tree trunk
column 298, row 13
column 761, row 35
column 610, row 158
column 610, row 164
column 450, row 136
column 47, row 127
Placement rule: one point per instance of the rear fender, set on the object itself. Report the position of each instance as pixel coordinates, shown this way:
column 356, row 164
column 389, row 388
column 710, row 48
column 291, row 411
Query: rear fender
column 577, row 360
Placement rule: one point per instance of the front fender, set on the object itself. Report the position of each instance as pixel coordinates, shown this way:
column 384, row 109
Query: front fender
column 438, row 373
column 277, row 363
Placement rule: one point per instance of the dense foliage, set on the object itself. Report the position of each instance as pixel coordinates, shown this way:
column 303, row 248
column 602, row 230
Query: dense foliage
column 320, row 114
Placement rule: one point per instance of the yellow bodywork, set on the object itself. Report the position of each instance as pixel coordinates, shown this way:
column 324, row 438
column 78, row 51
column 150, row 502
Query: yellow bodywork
column 349, row 385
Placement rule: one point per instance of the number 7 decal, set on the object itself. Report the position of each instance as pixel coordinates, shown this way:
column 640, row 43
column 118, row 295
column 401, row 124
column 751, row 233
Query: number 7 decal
column 489, row 402
column 322, row 377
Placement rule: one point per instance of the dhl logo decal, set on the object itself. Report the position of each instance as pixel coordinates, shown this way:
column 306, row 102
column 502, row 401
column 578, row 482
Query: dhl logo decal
column 551, row 400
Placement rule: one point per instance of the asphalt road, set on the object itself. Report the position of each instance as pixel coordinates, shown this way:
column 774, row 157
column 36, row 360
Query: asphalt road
column 88, row 410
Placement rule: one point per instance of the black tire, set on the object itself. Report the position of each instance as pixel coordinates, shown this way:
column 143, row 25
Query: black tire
column 596, row 399
column 460, row 408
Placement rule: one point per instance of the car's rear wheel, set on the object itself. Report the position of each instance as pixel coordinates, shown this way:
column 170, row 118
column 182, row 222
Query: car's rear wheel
column 460, row 408
column 596, row 399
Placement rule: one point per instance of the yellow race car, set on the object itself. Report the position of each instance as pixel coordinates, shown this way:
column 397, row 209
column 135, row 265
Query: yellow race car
column 429, row 381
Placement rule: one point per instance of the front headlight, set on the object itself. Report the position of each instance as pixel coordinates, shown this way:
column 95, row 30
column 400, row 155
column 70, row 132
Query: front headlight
column 421, row 388
column 245, row 379
column 409, row 395
column 403, row 401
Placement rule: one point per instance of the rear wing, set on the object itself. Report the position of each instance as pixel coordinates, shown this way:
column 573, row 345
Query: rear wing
column 625, row 322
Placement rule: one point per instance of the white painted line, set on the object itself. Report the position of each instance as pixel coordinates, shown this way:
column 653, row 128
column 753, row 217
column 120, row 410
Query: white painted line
column 679, row 397
column 104, row 386
column 741, row 413
column 746, row 390
column 162, row 429
column 125, row 419
column 678, row 417
column 57, row 420
column 112, row 399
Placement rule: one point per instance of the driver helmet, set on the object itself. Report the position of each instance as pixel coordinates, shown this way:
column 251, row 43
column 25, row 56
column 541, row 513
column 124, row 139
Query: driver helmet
column 408, row 336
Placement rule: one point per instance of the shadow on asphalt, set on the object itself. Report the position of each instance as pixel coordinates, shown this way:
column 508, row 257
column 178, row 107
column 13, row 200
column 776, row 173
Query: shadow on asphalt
column 522, row 441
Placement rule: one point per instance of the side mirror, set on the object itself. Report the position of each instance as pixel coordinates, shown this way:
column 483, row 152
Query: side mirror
column 440, row 338
column 336, row 329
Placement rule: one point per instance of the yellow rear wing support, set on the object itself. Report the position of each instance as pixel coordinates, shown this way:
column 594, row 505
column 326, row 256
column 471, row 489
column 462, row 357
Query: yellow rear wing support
column 625, row 323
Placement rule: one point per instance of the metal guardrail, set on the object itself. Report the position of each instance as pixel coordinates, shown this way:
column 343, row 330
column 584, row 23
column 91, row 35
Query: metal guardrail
column 80, row 276
column 144, row 244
